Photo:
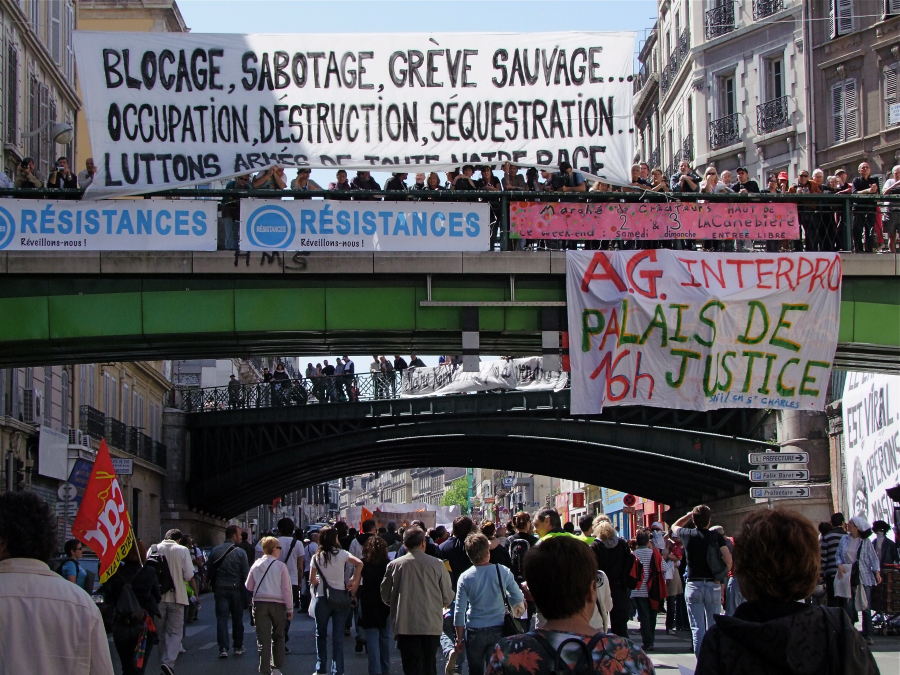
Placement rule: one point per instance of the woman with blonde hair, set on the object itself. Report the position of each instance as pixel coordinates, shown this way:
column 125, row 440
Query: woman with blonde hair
column 269, row 582
column 615, row 559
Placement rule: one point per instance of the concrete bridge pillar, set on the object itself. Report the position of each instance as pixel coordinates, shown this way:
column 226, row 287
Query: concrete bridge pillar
column 174, row 511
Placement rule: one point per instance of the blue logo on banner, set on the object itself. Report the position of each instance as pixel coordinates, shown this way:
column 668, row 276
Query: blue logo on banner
column 271, row 227
column 7, row 228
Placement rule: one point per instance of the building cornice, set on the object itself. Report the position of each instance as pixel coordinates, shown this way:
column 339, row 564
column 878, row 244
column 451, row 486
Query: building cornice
column 746, row 30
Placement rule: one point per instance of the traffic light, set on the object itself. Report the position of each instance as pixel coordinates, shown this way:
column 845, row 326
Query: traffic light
column 19, row 473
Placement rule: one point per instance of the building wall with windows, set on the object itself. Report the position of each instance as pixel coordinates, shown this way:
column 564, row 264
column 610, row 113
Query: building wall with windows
column 855, row 64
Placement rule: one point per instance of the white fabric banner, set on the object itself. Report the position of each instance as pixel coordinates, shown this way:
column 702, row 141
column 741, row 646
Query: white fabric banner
column 174, row 109
column 516, row 374
column 120, row 225
column 698, row 331
column 328, row 225
column 871, row 443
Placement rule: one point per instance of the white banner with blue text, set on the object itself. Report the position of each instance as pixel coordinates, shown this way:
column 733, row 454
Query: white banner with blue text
column 174, row 109
column 333, row 225
column 120, row 225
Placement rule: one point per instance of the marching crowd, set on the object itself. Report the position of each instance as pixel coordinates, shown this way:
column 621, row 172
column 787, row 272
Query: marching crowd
column 532, row 596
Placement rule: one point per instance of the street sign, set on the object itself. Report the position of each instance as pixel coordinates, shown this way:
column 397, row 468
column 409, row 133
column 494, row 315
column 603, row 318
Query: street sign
column 67, row 491
column 629, row 500
column 488, row 500
column 64, row 509
column 793, row 474
column 784, row 492
column 123, row 466
column 509, row 481
column 779, row 457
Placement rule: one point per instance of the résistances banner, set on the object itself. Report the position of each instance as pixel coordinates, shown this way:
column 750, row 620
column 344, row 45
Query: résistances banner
column 699, row 331
column 168, row 109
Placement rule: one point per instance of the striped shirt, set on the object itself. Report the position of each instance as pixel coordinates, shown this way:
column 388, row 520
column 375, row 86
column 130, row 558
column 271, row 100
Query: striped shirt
column 828, row 548
column 645, row 555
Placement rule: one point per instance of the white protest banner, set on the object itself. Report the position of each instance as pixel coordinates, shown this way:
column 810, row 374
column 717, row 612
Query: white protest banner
column 328, row 225
column 871, row 443
column 698, row 331
column 120, row 225
column 172, row 109
column 516, row 374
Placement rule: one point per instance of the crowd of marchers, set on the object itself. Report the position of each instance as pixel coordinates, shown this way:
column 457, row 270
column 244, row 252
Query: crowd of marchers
column 532, row 596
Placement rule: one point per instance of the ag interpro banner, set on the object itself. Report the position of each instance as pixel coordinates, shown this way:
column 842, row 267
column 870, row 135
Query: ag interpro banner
column 699, row 331
column 169, row 109
column 332, row 225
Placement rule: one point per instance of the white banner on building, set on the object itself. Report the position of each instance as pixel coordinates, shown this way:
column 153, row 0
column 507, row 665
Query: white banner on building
column 698, row 331
column 120, row 225
column 516, row 374
column 170, row 109
column 328, row 225
column 871, row 443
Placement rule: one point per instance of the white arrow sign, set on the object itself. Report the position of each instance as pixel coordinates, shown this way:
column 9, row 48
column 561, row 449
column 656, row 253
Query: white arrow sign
column 786, row 492
column 762, row 476
column 779, row 457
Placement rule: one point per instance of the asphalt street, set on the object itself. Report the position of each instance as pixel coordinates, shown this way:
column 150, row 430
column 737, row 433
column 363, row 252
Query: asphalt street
column 202, row 655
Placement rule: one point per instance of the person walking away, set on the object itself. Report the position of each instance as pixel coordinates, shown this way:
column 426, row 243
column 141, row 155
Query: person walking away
column 391, row 538
column 374, row 615
column 456, row 561
column 559, row 646
column 703, row 592
column 368, row 531
column 327, row 573
column 199, row 576
column 134, row 639
column 482, row 595
column 71, row 570
column 269, row 582
column 614, row 558
column 47, row 625
column 229, row 567
column 648, row 596
column 250, row 552
column 292, row 552
column 586, row 525
column 828, row 548
column 310, row 547
column 856, row 558
column 499, row 554
column 672, row 555
column 430, row 547
column 417, row 588
column 518, row 546
column 776, row 563
column 170, row 627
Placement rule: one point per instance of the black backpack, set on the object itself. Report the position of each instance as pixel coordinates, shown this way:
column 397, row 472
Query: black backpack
column 517, row 550
column 585, row 663
column 128, row 610
column 160, row 565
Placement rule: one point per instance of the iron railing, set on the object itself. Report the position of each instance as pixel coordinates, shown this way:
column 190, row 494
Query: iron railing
column 720, row 20
column 115, row 433
column 639, row 80
column 653, row 160
column 684, row 45
column 92, row 422
column 665, row 80
column 724, row 131
column 763, row 9
column 772, row 115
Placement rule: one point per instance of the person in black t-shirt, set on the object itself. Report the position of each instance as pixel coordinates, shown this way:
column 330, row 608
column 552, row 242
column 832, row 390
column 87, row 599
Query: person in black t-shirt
column 745, row 185
column 703, row 593
column 864, row 215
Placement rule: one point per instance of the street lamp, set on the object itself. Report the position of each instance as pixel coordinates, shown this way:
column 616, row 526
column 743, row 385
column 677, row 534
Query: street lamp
column 60, row 132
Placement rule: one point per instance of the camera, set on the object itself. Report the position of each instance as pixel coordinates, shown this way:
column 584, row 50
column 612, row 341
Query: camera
column 557, row 181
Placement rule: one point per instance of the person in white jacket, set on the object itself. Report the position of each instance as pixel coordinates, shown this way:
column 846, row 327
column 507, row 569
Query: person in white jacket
column 170, row 624
column 273, row 605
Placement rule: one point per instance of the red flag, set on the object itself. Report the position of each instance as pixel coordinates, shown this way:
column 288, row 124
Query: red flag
column 366, row 515
column 102, row 522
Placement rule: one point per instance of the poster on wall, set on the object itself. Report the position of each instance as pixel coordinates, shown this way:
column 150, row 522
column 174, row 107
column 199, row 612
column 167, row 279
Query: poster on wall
column 699, row 331
column 174, row 109
column 871, row 443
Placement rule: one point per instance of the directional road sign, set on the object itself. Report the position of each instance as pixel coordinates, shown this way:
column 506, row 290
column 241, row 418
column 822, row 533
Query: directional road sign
column 763, row 476
column 784, row 492
column 779, row 457
column 509, row 481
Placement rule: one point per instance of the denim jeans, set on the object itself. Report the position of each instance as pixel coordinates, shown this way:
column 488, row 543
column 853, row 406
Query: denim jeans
column 448, row 639
column 647, row 617
column 733, row 596
column 867, row 613
column 230, row 605
column 378, row 647
column 480, row 645
column 338, row 619
column 704, row 601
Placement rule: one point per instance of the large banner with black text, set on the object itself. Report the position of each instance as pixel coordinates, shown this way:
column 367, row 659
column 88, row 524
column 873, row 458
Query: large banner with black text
column 698, row 331
column 525, row 374
column 173, row 109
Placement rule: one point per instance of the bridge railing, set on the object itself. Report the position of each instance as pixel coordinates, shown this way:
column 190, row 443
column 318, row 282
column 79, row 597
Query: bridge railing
column 829, row 222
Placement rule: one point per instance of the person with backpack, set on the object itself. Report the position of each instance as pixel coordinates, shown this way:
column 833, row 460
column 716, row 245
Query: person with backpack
column 133, row 593
column 708, row 563
column 613, row 556
column 173, row 564
column 567, row 642
column 519, row 543
column 453, row 553
column 291, row 555
column 273, row 604
column 228, row 567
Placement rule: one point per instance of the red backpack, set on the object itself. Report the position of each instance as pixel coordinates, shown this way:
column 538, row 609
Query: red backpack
column 635, row 574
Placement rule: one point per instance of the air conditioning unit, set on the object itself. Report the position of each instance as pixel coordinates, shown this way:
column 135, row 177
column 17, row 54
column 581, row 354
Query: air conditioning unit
column 34, row 406
column 78, row 437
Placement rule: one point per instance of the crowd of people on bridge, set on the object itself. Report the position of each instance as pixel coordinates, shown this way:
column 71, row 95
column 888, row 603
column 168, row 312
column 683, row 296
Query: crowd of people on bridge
column 534, row 595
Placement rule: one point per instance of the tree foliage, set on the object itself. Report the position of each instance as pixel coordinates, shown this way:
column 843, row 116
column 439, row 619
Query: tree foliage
column 457, row 495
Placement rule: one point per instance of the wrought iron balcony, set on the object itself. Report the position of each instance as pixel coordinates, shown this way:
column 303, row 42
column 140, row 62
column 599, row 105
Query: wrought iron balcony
column 687, row 148
column 114, row 433
column 772, row 115
column 159, row 454
column 92, row 422
column 665, row 80
column 684, row 44
column 724, row 131
column 720, row 21
column 653, row 160
column 766, row 8
column 639, row 80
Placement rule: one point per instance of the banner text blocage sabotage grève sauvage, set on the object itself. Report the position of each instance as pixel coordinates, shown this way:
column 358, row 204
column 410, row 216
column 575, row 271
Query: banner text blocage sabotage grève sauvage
column 167, row 110
column 699, row 331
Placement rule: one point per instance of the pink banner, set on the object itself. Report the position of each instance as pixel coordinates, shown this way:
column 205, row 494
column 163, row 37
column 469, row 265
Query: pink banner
column 660, row 221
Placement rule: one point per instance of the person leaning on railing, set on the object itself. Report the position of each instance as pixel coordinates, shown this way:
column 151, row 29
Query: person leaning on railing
column 891, row 214
column 270, row 179
column 813, row 231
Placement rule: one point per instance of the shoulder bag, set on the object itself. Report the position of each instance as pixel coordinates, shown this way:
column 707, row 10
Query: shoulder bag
column 511, row 625
column 338, row 599
column 213, row 570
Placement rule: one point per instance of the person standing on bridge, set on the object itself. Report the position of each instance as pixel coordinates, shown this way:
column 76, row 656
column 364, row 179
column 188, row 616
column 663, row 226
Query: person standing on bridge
column 400, row 364
column 375, row 372
column 349, row 373
column 234, row 392
column 328, row 372
column 338, row 379
column 416, row 362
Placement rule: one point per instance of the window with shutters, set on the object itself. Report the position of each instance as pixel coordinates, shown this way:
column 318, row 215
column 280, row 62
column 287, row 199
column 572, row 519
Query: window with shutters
column 891, row 95
column 91, row 376
column 126, row 404
column 64, row 398
column 891, row 7
column 12, row 95
column 134, row 408
column 49, row 144
column 56, row 31
column 36, row 17
column 845, row 110
column 70, row 49
column 841, row 18
column 48, row 394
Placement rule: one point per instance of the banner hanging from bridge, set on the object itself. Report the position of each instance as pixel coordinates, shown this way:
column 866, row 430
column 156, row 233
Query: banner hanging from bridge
column 174, row 109
column 120, row 225
column 871, row 443
column 699, row 331
column 329, row 225
column 525, row 374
